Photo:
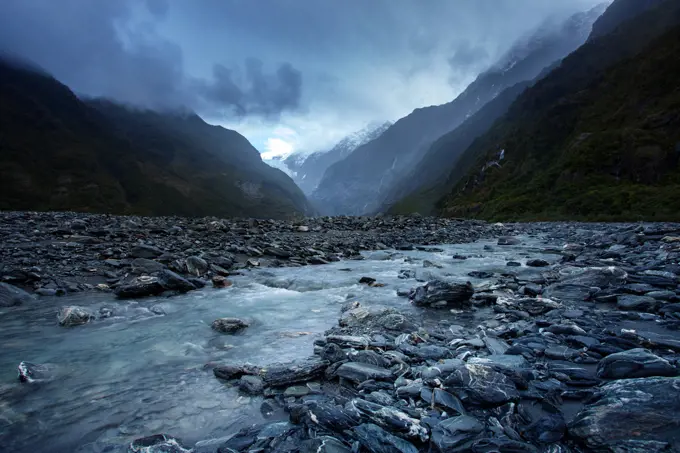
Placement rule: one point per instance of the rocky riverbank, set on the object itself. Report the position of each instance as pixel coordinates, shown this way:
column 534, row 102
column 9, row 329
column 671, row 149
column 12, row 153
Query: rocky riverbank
column 583, row 357
column 58, row 253
column 572, row 347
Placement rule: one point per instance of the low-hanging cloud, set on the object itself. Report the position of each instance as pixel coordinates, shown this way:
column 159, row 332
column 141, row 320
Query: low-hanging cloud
column 252, row 91
column 98, row 49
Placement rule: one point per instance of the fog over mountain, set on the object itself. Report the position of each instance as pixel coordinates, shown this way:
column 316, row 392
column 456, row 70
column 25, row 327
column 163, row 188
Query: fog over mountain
column 294, row 76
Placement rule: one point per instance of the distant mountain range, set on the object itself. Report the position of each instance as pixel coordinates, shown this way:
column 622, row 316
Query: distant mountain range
column 307, row 170
column 59, row 152
column 378, row 173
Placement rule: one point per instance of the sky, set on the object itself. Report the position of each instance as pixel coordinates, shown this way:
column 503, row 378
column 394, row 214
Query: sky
column 290, row 75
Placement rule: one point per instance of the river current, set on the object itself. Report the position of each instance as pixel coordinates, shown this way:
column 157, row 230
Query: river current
column 145, row 369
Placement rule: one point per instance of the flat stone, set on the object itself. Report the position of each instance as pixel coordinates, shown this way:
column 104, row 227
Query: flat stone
column 456, row 434
column 359, row 372
column 631, row 415
column 634, row 363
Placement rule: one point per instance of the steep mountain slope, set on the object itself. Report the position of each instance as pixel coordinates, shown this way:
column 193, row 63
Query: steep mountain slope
column 60, row 153
column 361, row 183
column 427, row 183
column 620, row 12
column 308, row 170
column 599, row 137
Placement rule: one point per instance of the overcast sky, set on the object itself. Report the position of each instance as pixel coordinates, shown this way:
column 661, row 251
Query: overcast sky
column 288, row 74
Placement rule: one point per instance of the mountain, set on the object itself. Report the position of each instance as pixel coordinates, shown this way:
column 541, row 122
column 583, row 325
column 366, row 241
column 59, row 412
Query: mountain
column 58, row 152
column 620, row 12
column 308, row 170
column 368, row 178
column 597, row 138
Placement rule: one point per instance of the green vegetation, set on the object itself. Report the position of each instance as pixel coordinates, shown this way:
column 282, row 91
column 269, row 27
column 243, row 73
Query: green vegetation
column 597, row 139
column 60, row 153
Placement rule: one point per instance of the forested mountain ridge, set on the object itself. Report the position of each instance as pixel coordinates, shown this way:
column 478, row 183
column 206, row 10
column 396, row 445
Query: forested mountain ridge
column 58, row 152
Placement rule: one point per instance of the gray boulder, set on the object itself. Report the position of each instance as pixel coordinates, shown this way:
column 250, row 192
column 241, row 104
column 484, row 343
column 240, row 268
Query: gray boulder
column 481, row 385
column 10, row 295
column 634, row 363
column 439, row 294
column 252, row 385
column 145, row 251
column 143, row 286
column 376, row 440
column 631, row 415
column 229, row 325
column 74, row 316
column 360, row 372
column 456, row 434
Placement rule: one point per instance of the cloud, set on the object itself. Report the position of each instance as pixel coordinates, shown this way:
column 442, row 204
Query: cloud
column 112, row 49
column 317, row 67
column 252, row 92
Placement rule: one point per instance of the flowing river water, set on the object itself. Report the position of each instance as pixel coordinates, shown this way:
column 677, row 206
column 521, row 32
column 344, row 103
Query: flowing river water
column 144, row 370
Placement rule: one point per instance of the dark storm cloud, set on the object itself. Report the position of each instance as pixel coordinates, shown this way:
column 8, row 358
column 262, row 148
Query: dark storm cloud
column 98, row 49
column 253, row 92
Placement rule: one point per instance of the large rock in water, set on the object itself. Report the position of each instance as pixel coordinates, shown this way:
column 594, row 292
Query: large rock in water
column 74, row 316
column 229, row 325
column 632, row 415
column 10, row 295
column 634, row 363
column 439, row 294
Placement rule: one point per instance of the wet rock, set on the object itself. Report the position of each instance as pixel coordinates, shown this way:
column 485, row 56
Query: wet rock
column 324, row 444
column 33, row 372
column 74, row 316
column 376, row 440
column 359, row 372
column 173, row 282
column 637, row 303
column 228, row 372
column 456, row 434
column 532, row 305
column 367, row 280
column 538, row 263
column 219, row 281
column 480, row 274
column 443, row 400
column 229, row 325
column 508, row 240
column 439, row 294
column 547, row 429
column 252, row 385
column 158, row 443
column 510, row 362
column 481, row 385
column 146, row 266
column 11, row 296
column 145, row 251
column 332, row 417
column 643, row 413
column 196, row 266
column 279, row 375
column 395, row 421
column 634, row 363
column 333, row 353
column 143, row 286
